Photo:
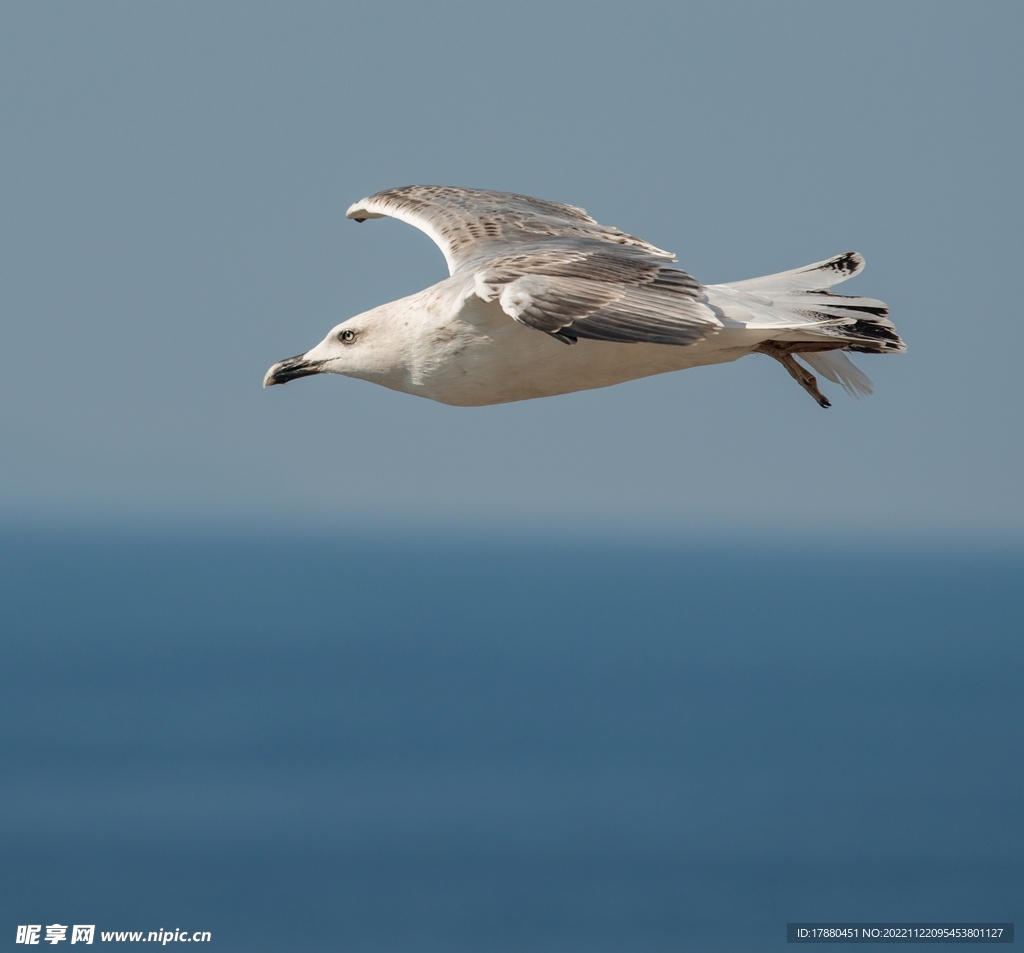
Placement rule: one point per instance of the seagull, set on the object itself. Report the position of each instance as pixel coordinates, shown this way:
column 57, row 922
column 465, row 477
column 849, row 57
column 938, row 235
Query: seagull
column 542, row 300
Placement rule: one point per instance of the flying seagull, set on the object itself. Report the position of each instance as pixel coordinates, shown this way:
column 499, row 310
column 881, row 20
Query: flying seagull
column 543, row 300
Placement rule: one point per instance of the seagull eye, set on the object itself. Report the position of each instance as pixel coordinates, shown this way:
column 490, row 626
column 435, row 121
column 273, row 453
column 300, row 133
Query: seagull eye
column 347, row 336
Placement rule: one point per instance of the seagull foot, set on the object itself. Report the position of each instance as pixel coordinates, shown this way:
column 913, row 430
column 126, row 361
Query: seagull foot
column 783, row 353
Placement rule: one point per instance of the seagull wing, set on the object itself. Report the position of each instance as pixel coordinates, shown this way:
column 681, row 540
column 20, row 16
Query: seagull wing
column 588, row 289
column 551, row 266
column 466, row 224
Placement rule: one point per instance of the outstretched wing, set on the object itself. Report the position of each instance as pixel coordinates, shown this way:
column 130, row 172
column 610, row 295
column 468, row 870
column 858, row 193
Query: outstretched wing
column 584, row 289
column 551, row 266
column 466, row 224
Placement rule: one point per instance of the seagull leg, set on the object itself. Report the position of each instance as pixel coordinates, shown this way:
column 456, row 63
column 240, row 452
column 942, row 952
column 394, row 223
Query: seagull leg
column 783, row 353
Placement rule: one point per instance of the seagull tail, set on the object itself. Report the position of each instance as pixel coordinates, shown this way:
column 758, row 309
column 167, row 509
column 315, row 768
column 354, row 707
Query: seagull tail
column 808, row 320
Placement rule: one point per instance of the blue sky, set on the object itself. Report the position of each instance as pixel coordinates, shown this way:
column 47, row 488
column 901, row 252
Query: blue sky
column 174, row 185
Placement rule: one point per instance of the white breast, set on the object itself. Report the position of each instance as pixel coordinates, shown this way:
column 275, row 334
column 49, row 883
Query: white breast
column 473, row 354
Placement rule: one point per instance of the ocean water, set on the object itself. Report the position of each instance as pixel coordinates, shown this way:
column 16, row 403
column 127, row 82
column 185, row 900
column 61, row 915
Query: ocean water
column 414, row 746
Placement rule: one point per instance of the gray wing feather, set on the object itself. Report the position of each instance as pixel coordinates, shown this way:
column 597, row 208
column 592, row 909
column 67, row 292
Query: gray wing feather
column 649, row 315
column 552, row 267
column 467, row 223
column 586, row 299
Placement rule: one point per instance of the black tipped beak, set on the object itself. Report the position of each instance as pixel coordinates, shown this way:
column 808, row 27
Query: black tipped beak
column 291, row 368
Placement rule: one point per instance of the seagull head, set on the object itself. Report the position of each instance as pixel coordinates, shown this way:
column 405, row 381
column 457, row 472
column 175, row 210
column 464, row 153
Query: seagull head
column 333, row 355
column 367, row 346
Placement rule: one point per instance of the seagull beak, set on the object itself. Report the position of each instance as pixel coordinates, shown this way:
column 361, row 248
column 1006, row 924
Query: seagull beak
column 291, row 368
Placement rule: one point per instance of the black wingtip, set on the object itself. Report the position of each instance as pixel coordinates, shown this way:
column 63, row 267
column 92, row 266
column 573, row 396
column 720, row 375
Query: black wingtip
column 847, row 263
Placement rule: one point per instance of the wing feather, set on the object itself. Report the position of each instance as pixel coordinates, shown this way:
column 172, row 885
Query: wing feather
column 551, row 266
column 467, row 223
column 570, row 308
column 815, row 277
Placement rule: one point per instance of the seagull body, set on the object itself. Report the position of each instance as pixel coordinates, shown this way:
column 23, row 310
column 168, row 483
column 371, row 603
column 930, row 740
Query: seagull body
column 542, row 300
